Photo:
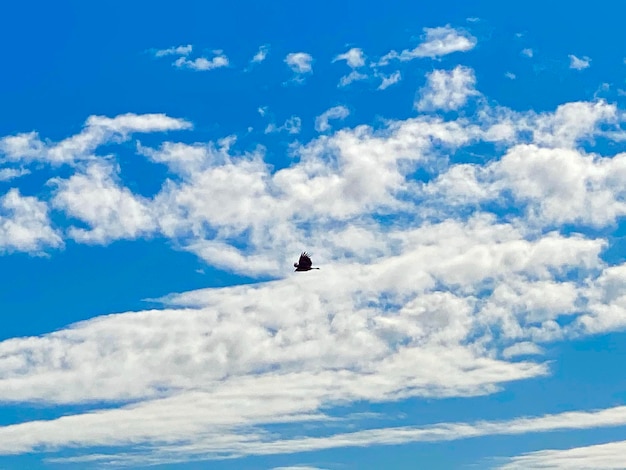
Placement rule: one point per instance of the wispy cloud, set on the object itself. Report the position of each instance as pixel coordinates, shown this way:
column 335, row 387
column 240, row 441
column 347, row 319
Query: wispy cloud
column 527, row 53
column 437, row 42
column 8, row 174
column 199, row 63
column 298, row 467
column 179, row 50
column 388, row 80
column 605, row 456
column 524, row 348
column 181, row 443
column 354, row 57
column 293, row 125
column 579, row 63
column 28, row 147
column 336, row 112
column 261, row 55
column 351, row 77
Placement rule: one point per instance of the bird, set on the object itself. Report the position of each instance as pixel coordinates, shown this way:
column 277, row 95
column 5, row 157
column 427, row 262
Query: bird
column 304, row 264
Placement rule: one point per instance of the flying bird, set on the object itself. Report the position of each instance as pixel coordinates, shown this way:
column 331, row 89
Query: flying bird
column 304, row 264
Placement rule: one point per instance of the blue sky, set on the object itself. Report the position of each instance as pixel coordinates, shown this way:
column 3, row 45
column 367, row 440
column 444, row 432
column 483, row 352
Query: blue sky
column 456, row 171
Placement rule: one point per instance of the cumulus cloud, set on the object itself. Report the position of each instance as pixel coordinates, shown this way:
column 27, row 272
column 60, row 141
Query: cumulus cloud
column 579, row 63
column 112, row 212
column 336, row 112
column 527, row 53
column 548, row 178
column 447, row 90
column 606, row 303
column 437, row 42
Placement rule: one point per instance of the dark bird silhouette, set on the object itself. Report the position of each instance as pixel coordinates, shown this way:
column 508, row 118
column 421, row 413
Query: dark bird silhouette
column 304, row 264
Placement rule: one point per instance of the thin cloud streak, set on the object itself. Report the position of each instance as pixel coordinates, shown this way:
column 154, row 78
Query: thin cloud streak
column 256, row 444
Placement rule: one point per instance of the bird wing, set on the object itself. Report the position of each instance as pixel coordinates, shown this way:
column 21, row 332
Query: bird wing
column 305, row 261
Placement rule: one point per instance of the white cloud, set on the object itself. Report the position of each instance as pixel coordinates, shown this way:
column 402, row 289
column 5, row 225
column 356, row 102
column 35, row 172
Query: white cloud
column 527, row 52
column 299, row 62
column 427, row 346
column 354, row 57
column 196, row 425
column 550, row 180
column 25, row 225
column 390, row 80
column 336, row 112
column 202, row 63
column 437, row 42
column 579, row 64
column 179, row 50
column 564, row 186
column 112, row 212
column 510, row 75
column 306, row 187
column 261, row 55
column 181, row 208
column 98, row 130
column 8, row 174
column 606, row 303
column 298, row 467
column 605, row 456
column 351, row 77
column 447, row 90
column 293, row 125
column 524, row 348
column 572, row 122
column 443, row 302
column 24, row 146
